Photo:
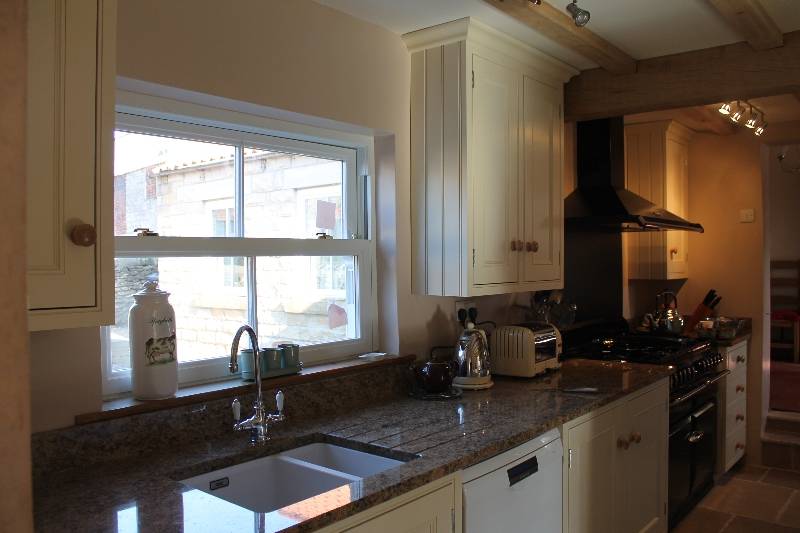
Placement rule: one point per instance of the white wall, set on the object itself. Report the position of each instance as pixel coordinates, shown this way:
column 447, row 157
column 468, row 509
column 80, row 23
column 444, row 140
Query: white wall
column 784, row 198
column 297, row 56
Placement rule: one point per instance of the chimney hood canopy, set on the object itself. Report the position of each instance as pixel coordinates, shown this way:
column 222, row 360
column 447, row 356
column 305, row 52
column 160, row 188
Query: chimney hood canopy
column 600, row 202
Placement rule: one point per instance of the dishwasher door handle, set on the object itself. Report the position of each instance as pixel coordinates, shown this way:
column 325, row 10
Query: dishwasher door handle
column 522, row 471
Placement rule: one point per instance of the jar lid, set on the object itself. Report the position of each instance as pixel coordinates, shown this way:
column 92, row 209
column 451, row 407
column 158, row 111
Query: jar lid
column 150, row 288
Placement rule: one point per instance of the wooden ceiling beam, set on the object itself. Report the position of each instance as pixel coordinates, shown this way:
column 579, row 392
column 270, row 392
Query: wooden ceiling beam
column 700, row 77
column 752, row 21
column 556, row 25
column 709, row 119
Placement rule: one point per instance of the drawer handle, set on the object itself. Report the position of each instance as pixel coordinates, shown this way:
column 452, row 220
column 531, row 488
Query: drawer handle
column 739, row 446
column 695, row 437
column 635, row 437
column 523, row 470
column 740, row 359
column 623, row 443
column 739, row 388
column 83, row 235
column 740, row 418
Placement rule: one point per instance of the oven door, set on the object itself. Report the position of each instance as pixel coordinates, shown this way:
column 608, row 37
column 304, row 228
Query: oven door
column 680, row 469
column 704, row 448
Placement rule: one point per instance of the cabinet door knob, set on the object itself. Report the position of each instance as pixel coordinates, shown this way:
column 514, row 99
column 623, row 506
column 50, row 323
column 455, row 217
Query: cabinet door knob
column 623, row 443
column 635, row 437
column 739, row 446
column 83, row 235
column 672, row 253
column 513, row 246
column 520, row 246
column 739, row 388
column 532, row 246
column 740, row 359
column 740, row 417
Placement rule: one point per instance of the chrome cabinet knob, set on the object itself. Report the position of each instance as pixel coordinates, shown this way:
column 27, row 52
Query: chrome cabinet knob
column 740, row 359
column 739, row 388
column 740, row 417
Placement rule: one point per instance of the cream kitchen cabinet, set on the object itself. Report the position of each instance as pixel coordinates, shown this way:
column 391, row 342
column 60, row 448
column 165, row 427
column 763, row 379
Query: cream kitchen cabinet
column 657, row 169
column 486, row 162
column 70, row 110
column 434, row 508
column 732, row 414
column 615, row 476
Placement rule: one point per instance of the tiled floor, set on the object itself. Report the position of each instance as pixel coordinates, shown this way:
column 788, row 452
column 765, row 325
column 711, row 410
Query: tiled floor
column 750, row 500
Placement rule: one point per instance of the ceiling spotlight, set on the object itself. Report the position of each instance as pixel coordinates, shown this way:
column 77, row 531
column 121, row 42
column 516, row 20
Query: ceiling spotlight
column 535, row 2
column 759, row 131
column 737, row 115
column 580, row 16
column 725, row 108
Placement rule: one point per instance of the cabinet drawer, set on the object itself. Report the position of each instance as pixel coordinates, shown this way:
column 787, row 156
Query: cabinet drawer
column 735, row 415
column 736, row 387
column 737, row 356
column 735, row 446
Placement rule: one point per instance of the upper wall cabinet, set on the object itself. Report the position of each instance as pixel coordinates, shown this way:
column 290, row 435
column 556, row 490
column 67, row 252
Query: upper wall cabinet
column 70, row 110
column 657, row 168
column 486, row 162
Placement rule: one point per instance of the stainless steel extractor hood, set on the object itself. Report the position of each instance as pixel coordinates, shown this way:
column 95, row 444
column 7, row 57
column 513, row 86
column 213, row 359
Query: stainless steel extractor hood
column 600, row 202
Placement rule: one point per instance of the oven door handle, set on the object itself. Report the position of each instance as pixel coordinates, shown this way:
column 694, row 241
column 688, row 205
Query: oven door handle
column 703, row 410
column 700, row 388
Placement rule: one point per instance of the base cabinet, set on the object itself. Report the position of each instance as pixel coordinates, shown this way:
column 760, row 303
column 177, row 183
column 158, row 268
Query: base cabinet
column 732, row 414
column 434, row 508
column 615, row 475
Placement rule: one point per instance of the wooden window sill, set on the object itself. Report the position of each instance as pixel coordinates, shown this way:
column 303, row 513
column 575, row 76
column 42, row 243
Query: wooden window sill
column 128, row 406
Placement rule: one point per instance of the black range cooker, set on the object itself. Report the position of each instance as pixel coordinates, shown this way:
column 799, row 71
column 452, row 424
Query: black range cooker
column 693, row 398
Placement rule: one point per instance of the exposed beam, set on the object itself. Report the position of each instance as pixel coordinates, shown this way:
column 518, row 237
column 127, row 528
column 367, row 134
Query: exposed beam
column 555, row 24
column 752, row 22
column 700, row 77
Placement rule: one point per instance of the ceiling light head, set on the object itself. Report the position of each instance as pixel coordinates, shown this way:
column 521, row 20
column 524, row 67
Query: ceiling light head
column 725, row 108
column 759, row 131
column 535, row 2
column 752, row 119
column 737, row 115
column 579, row 15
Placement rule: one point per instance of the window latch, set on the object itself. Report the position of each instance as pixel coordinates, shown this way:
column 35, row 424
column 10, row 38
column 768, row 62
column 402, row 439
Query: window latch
column 323, row 235
column 145, row 232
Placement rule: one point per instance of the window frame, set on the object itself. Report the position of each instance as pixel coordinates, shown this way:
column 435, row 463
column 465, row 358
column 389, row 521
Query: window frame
column 155, row 115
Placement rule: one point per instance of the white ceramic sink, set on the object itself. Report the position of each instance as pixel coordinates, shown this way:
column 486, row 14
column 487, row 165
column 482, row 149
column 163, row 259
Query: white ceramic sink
column 270, row 483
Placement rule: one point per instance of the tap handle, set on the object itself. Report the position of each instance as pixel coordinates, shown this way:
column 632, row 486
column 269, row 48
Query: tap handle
column 236, row 407
column 279, row 401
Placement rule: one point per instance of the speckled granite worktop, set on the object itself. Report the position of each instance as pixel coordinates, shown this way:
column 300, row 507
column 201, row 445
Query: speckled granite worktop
column 142, row 494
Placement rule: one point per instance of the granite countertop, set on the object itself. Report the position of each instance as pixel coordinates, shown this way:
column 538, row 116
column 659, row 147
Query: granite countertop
column 142, row 494
column 741, row 336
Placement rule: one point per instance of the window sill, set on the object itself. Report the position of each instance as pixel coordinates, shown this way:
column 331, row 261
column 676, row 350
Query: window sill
column 128, row 406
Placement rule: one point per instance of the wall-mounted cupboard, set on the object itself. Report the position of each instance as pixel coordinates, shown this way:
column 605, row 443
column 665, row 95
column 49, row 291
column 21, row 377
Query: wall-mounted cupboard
column 70, row 110
column 486, row 162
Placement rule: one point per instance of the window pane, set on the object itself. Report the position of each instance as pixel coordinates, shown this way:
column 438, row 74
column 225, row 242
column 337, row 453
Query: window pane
column 306, row 300
column 173, row 186
column 209, row 295
column 292, row 196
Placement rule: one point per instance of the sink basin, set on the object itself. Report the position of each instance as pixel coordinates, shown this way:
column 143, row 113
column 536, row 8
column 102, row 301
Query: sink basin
column 270, row 483
column 340, row 459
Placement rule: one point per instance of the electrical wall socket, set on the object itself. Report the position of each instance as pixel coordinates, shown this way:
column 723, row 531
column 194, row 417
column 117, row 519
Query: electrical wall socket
column 463, row 304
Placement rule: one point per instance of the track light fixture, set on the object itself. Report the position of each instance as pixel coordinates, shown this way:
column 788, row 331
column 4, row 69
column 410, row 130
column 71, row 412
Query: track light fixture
column 756, row 120
column 579, row 15
column 535, row 2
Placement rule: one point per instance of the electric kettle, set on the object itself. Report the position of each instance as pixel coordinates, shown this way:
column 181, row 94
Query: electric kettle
column 472, row 354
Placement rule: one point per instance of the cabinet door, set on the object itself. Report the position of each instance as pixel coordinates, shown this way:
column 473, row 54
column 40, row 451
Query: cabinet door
column 541, row 181
column 642, row 476
column 592, row 465
column 432, row 513
column 677, row 201
column 69, row 144
column 495, row 172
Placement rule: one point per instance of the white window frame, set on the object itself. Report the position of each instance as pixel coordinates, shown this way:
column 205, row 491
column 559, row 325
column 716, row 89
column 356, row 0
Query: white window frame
column 167, row 117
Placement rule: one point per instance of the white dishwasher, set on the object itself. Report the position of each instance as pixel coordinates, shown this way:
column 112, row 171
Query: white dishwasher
column 516, row 491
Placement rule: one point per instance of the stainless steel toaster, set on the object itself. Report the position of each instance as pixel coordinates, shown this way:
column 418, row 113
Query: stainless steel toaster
column 525, row 350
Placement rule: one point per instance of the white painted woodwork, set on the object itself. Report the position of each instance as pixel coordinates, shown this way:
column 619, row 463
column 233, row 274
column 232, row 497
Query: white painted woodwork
column 495, row 137
column 609, row 488
column 69, row 161
column 433, row 508
column 543, row 137
column 657, row 169
column 486, row 162
column 732, row 411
